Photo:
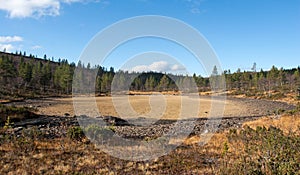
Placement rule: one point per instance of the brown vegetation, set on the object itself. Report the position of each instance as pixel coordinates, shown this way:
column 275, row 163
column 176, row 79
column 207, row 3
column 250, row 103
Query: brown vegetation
column 34, row 153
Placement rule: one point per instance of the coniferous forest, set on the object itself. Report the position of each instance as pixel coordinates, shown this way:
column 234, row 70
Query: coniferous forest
column 29, row 76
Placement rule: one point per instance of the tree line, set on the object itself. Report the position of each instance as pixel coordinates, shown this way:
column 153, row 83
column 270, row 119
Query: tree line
column 23, row 75
column 253, row 83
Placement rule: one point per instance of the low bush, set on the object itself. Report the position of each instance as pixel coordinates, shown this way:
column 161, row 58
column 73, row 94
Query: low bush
column 75, row 133
column 276, row 96
column 15, row 113
column 262, row 151
column 98, row 133
column 295, row 111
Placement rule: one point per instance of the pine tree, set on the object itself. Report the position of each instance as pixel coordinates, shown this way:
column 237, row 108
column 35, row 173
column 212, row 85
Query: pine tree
column 66, row 78
column 255, row 80
column 119, row 81
column 78, row 80
column 46, row 75
column 296, row 76
column 7, row 71
column 214, row 79
column 25, row 72
column 150, row 83
column 187, row 84
column 98, row 84
column 272, row 77
column 281, row 77
column 164, row 83
column 106, row 82
column 36, row 74
column 262, row 80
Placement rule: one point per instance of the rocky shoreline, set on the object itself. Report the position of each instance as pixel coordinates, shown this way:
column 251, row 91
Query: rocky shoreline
column 57, row 126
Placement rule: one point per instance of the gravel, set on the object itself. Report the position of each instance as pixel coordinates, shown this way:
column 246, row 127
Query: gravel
column 57, row 126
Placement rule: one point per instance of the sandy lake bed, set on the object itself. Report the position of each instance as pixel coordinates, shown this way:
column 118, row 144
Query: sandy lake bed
column 163, row 107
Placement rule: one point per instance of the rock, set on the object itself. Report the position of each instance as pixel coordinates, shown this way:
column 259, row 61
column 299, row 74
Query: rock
column 17, row 129
column 115, row 121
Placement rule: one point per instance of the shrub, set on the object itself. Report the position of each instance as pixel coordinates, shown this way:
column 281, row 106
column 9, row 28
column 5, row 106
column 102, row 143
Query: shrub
column 262, row 151
column 294, row 111
column 277, row 95
column 98, row 133
column 8, row 124
column 27, row 140
column 75, row 132
column 15, row 113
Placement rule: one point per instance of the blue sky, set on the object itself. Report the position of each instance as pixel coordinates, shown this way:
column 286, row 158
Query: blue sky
column 240, row 31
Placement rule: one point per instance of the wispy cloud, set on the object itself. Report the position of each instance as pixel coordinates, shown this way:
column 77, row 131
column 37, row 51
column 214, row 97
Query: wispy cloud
column 6, row 42
column 36, row 47
column 8, row 39
column 35, row 8
column 194, row 6
column 81, row 1
column 159, row 66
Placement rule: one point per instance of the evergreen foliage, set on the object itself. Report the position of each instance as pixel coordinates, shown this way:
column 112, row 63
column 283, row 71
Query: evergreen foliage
column 23, row 75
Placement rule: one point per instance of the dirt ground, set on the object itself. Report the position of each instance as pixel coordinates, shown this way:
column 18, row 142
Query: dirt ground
column 157, row 106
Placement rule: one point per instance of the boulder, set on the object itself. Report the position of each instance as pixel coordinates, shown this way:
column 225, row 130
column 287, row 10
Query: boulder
column 116, row 121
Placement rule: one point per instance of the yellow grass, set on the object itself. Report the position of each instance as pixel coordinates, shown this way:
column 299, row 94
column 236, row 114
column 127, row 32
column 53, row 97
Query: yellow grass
column 286, row 123
column 154, row 106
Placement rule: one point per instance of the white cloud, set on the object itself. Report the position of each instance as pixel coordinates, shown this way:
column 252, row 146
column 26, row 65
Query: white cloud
column 159, row 66
column 6, row 47
column 141, row 68
column 5, row 42
column 177, row 67
column 30, row 8
column 71, row 1
column 35, row 8
column 8, row 39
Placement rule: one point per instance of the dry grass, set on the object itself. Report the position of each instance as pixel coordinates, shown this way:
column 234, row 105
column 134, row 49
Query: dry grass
column 287, row 97
column 167, row 107
column 154, row 93
column 287, row 123
column 67, row 156
column 36, row 155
